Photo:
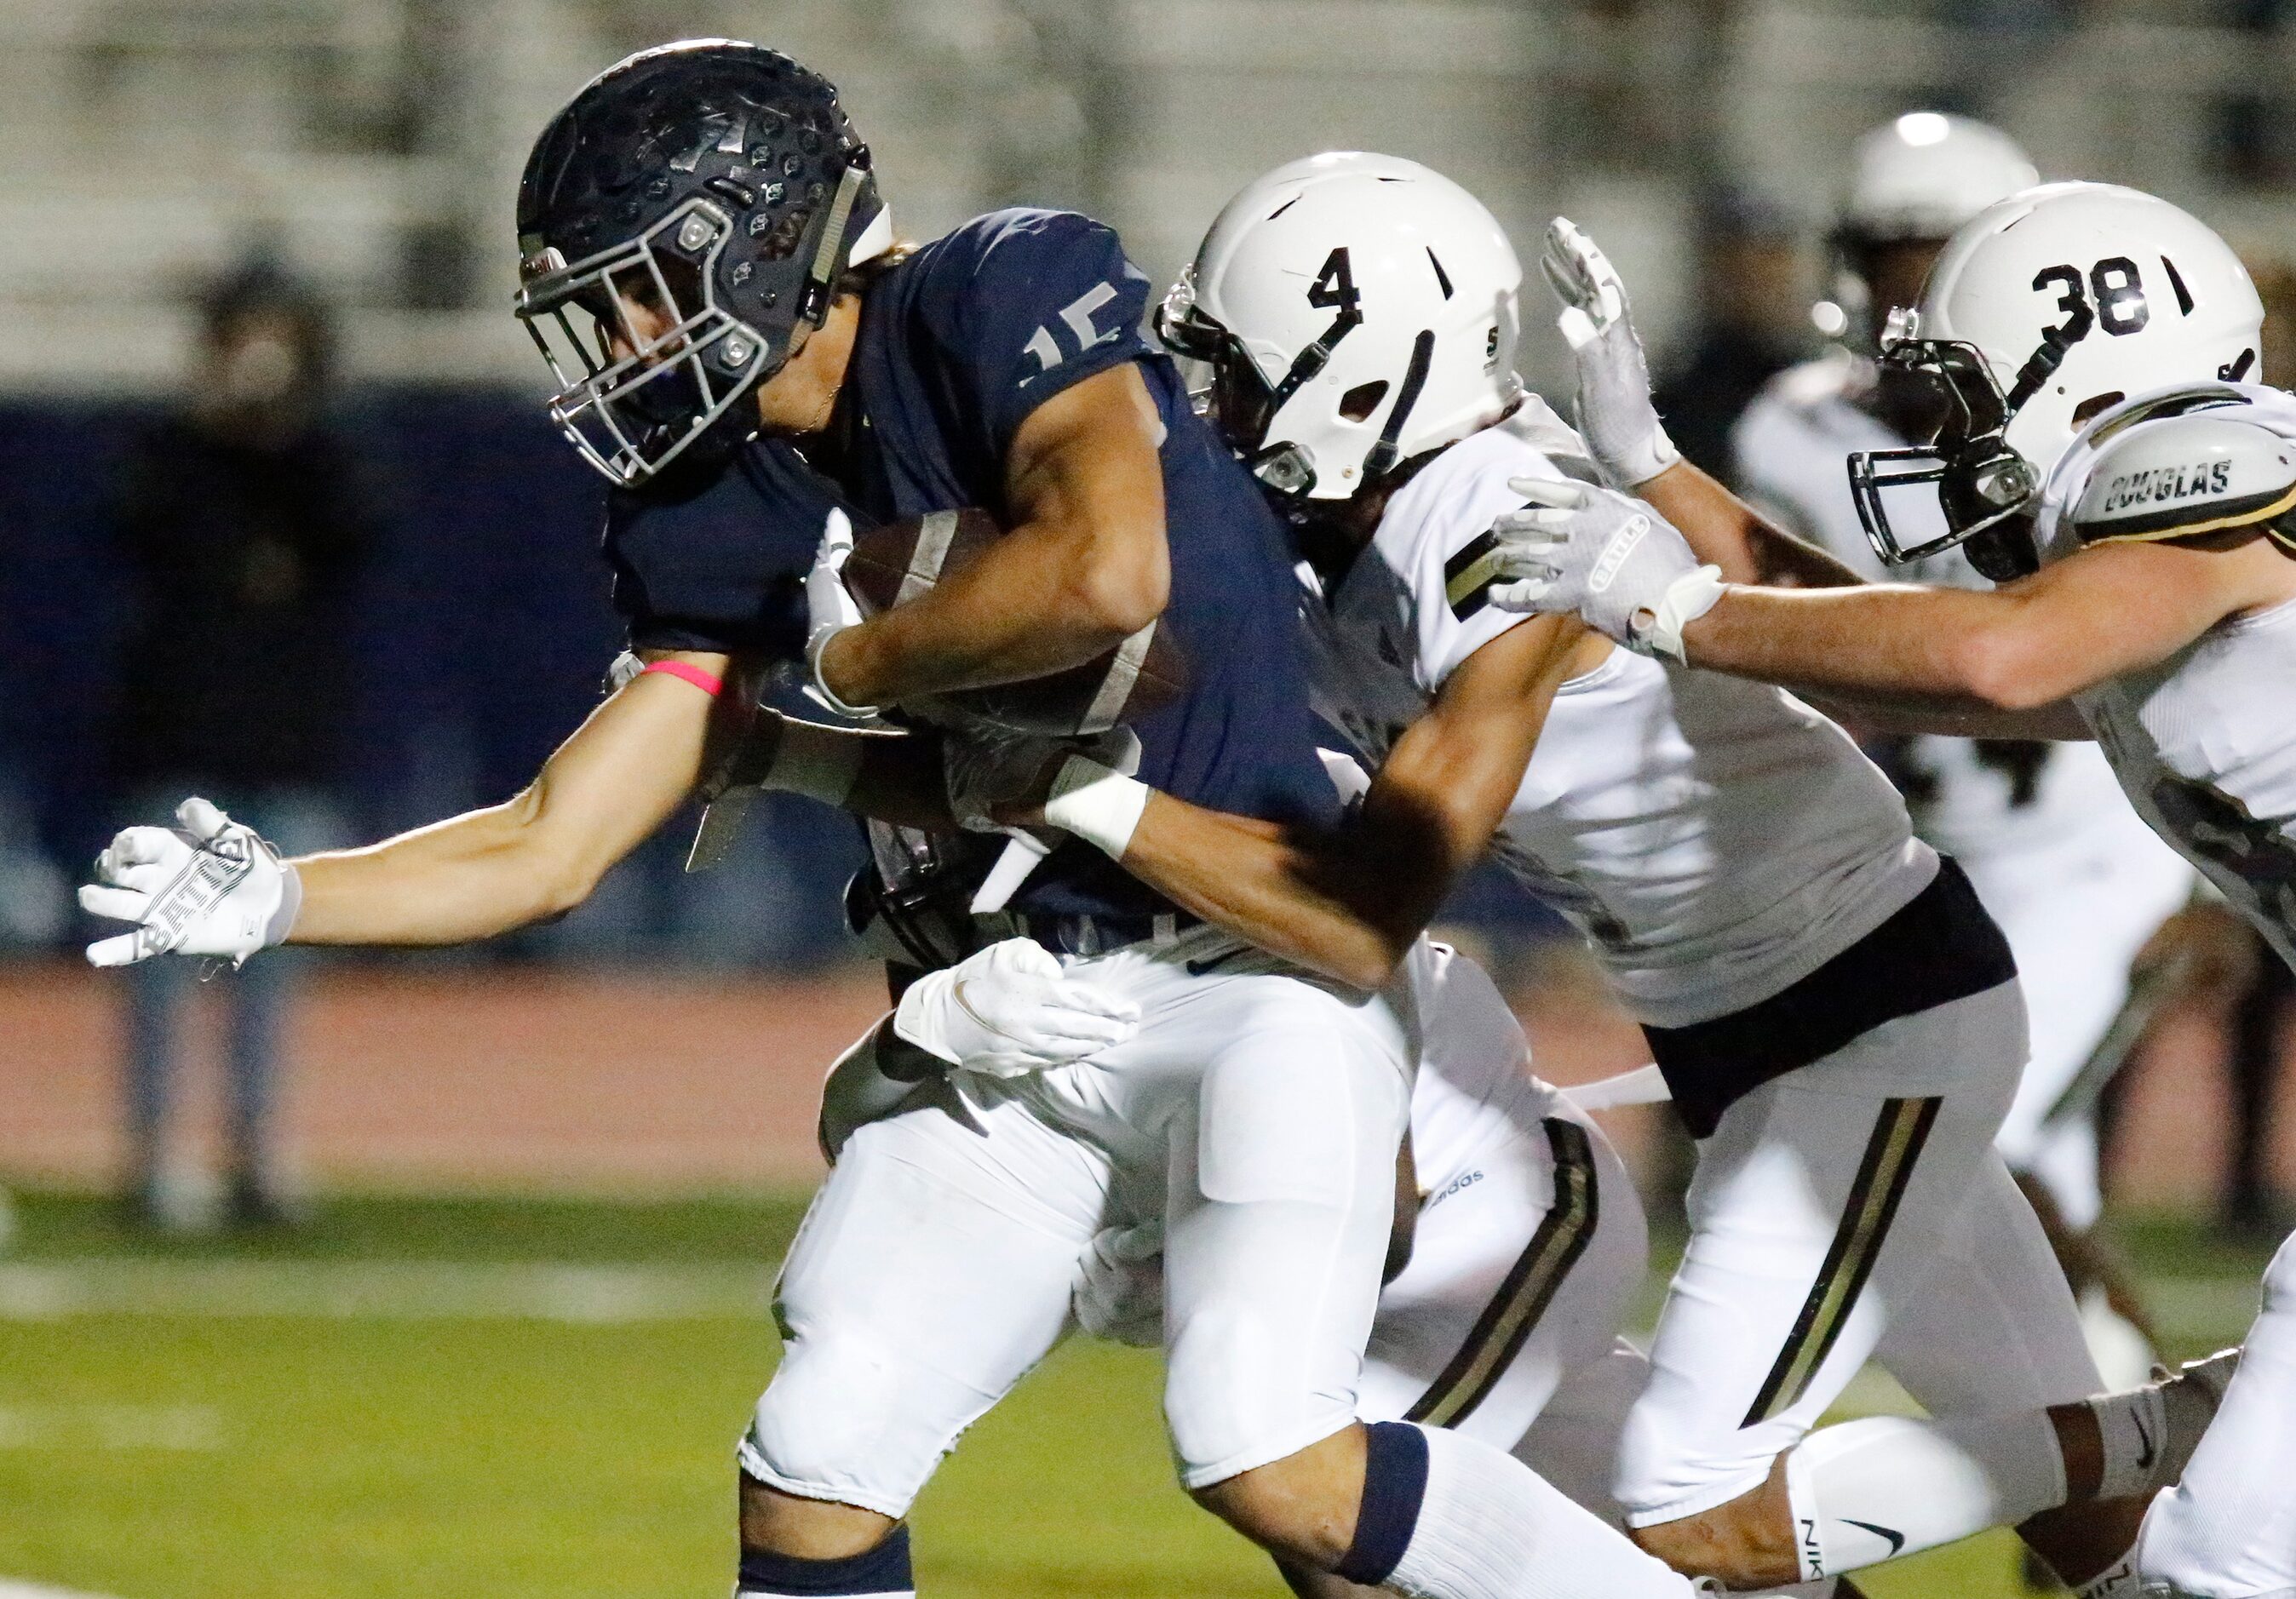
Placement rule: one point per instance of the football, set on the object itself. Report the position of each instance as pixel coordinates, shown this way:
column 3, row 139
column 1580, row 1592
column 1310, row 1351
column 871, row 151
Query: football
column 899, row 560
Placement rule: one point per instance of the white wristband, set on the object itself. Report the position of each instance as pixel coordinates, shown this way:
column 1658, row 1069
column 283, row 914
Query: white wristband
column 1686, row 599
column 1098, row 805
column 818, row 762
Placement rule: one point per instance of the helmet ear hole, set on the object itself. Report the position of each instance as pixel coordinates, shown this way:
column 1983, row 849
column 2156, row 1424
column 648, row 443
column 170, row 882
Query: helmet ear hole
column 1358, row 403
column 2096, row 405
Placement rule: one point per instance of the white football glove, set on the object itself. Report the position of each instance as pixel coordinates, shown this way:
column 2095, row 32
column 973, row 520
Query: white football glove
column 1120, row 1294
column 209, row 886
column 1615, row 413
column 829, row 608
column 1006, row 1011
column 1619, row 564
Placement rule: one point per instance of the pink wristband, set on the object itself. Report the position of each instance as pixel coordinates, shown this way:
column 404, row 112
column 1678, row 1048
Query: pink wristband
column 707, row 684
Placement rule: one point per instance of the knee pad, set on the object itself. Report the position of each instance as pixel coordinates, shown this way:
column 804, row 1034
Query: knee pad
column 842, row 1420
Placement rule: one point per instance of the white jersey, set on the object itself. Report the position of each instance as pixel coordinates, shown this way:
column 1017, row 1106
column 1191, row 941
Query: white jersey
column 1979, row 799
column 2204, row 743
column 1717, row 839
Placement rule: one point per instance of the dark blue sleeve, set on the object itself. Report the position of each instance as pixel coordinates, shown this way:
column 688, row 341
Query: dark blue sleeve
column 717, row 560
column 1028, row 303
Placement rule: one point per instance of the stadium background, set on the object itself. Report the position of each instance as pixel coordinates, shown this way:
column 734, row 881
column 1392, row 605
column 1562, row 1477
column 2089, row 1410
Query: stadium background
column 508, row 1350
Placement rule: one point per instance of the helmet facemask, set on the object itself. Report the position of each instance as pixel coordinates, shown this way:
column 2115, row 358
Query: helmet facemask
column 1946, row 394
column 711, row 193
column 1240, row 401
column 631, row 400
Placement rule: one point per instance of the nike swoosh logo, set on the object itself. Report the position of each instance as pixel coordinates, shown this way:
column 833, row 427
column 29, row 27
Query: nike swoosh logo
column 2145, row 1457
column 1897, row 1539
column 1198, row 968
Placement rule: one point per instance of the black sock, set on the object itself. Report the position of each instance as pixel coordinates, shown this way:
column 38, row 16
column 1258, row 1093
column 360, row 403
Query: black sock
column 883, row 1570
column 1395, row 1481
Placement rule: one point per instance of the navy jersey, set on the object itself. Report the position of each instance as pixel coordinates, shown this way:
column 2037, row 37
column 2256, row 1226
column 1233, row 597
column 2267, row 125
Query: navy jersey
column 958, row 345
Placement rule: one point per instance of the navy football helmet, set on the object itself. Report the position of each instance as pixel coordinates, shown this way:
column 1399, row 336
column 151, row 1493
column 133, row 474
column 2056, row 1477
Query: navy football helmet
column 715, row 188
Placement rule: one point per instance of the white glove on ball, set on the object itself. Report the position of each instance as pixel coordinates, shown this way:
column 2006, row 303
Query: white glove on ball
column 829, row 608
column 1615, row 561
column 1007, row 1011
column 1615, row 413
column 1120, row 1295
column 209, row 886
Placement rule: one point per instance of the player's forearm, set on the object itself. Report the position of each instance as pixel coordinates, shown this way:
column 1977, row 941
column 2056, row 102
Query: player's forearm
column 617, row 778
column 1722, row 529
column 1041, row 600
column 1275, row 888
column 1916, row 650
column 1085, row 565
column 469, row 877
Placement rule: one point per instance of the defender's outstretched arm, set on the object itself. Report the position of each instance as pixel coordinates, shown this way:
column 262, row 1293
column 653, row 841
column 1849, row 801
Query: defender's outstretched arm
column 2108, row 610
column 1350, row 904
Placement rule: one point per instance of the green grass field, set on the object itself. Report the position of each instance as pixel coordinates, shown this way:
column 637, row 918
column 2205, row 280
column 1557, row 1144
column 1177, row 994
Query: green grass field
column 505, row 1399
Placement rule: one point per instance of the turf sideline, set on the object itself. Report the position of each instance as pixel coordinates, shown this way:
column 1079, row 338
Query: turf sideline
column 33, row 1590
column 382, row 1291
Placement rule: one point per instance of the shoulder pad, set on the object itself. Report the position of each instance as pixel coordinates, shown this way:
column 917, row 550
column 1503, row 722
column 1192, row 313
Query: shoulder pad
column 2171, row 477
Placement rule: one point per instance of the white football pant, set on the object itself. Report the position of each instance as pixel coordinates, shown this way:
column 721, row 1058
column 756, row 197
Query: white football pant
column 1257, row 1114
column 1856, row 1206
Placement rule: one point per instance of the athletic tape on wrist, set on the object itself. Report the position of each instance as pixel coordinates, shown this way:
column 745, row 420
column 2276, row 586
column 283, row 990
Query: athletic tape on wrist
column 1686, row 599
column 1098, row 805
column 816, row 761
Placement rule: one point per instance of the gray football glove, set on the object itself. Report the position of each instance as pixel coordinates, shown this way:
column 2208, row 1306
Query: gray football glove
column 209, row 886
column 1119, row 1294
column 1617, row 563
column 1614, row 409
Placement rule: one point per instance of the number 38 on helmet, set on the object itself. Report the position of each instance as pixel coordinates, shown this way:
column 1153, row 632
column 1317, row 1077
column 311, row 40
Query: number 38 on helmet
column 2046, row 309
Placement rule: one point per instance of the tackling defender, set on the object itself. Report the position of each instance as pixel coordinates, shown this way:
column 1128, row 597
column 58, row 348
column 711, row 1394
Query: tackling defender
column 1835, row 1013
column 703, row 229
column 2075, row 880
column 2089, row 353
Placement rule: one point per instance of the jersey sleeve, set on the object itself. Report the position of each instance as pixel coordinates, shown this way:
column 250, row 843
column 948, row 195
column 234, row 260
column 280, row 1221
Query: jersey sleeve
column 1451, row 558
column 716, row 561
column 1037, row 302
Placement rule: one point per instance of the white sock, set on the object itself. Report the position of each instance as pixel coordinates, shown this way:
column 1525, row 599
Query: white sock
column 1867, row 1491
column 1491, row 1528
column 2135, row 1426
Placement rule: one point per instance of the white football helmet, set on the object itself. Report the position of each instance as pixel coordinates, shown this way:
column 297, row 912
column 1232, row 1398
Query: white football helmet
column 2045, row 309
column 1359, row 310
column 1924, row 175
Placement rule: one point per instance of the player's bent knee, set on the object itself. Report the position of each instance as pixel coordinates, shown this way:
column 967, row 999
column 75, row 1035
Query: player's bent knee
column 838, row 1424
column 1302, row 1508
column 1748, row 1543
column 810, row 1530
